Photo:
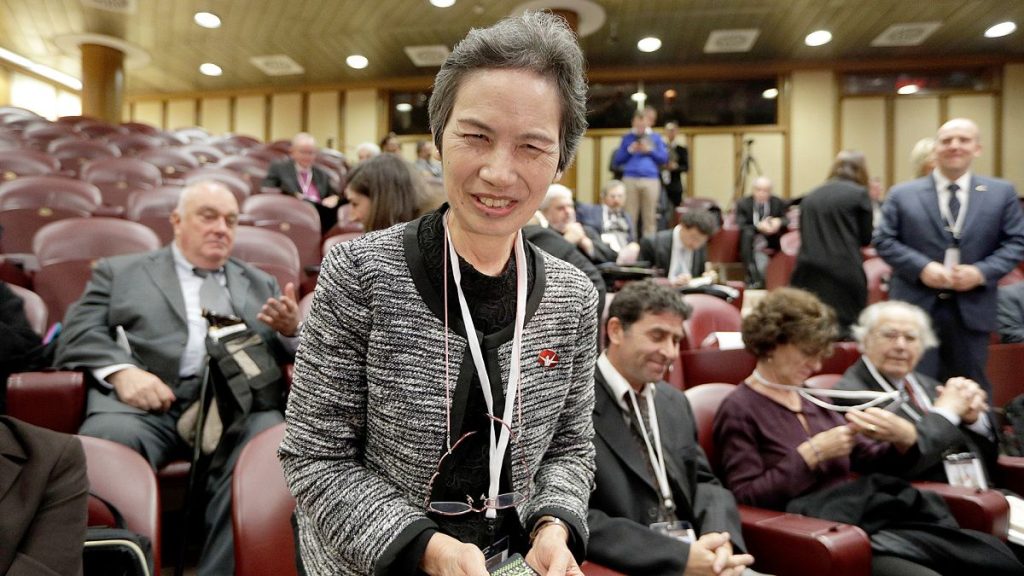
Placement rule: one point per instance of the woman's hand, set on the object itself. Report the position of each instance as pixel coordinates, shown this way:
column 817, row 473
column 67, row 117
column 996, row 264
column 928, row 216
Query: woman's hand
column 550, row 555
column 446, row 556
column 834, row 443
column 884, row 426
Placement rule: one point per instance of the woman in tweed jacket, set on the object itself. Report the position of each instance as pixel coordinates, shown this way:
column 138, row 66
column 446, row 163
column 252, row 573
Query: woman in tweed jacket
column 384, row 380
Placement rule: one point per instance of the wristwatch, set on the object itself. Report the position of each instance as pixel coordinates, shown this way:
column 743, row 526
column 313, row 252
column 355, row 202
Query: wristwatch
column 545, row 521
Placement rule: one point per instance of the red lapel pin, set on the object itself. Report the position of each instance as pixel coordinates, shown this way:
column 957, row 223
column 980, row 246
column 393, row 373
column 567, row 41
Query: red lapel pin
column 548, row 358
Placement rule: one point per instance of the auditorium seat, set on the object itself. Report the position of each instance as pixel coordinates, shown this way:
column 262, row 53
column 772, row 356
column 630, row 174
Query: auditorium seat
column 844, row 355
column 203, row 153
column 591, row 569
column 261, row 509
column 173, row 163
column 1004, row 368
column 779, row 270
column 122, row 477
column 878, row 274
column 824, row 381
column 724, row 245
column 21, row 163
column 706, row 365
column 94, row 128
column 40, row 136
column 232, row 144
column 710, row 314
column 270, row 251
column 30, row 203
column 234, row 182
column 66, row 251
column 265, row 154
column 254, row 170
column 34, row 308
column 117, row 178
column 296, row 219
column 330, row 241
column 134, row 144
column 152, row 209
column 73, row 153
column 140, row 128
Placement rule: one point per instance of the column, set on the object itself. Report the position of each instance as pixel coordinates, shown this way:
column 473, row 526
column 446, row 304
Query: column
column 102, row 82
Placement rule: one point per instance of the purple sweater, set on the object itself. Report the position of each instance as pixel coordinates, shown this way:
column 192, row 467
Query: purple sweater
column 755, row 445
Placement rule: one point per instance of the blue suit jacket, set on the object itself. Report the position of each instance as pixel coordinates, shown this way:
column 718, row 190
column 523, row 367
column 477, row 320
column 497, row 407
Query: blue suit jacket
column 913, row 233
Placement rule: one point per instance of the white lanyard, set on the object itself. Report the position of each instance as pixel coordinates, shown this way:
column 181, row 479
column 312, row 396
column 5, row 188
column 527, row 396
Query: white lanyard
column 873, row 398
column 655, row 453
column 497, row 448
column 921, row 397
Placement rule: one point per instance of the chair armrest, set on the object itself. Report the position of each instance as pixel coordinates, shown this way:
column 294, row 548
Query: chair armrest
column 1010, row 473
column 982, row 510
column 54, row 400
column 793, row 544
column 591, row 569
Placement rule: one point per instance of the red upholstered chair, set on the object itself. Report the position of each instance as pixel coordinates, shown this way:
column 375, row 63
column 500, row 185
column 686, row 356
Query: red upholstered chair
column 878, row 274
column 235, row 143
column 20, row 163
column 253, row 169
column 234, row 182
column 724, row 245
column 30, row 203
column 203, row 153
column 73, row 153
column 140, row 128
column 134, row 144
column 591, row 569
column 712, row 365
column 270, row 251
column 779, row 270
column 34, row 307
column 785, row 543
column 330, row 241
column 94, row 128
column 710, row 314
column 67, row 249
column 261, row 509
column 40, row 136
column 844, row 355
column 823, row 381
column 265, row 154
column 152, row 209
column 117, row 178
column 1004, row 367
column 173, row 163
column 296, row 219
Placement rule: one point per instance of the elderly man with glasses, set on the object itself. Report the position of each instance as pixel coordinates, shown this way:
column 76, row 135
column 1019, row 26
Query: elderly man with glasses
column 948, row 420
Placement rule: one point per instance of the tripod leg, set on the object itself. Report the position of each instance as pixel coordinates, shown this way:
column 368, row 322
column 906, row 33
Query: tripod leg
column 193, row 471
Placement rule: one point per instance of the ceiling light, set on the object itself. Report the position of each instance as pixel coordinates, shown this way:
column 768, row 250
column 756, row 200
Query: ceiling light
column 770, row 94
column 404, row 107
column 207, row 19
column 638, row 97
column 357, row 61
column 44, row 71
column 1000, row 30
column 649, row 44
column 443, row 3
column 210, row 69
column 908, row 89
column 818, row 38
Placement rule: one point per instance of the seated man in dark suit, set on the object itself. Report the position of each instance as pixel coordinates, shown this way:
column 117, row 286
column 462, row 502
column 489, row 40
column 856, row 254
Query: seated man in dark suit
column 302, row 178
column 558, row 209
column 940, row 419
column 609, row 218
column 138, row 331
column 681, row 252
column 653, row 481
column 761, row 218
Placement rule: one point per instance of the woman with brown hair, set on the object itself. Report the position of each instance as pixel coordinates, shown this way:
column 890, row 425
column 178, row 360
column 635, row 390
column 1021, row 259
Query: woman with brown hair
column 835, row 222
column 780, row 447
column 384, row 191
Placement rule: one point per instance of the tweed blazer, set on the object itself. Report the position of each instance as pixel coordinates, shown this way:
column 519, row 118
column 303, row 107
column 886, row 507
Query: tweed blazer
column 367, row 410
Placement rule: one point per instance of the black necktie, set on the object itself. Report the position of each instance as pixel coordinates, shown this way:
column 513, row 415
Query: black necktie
column 213, row 296
column 954, row 203
column 760, row 211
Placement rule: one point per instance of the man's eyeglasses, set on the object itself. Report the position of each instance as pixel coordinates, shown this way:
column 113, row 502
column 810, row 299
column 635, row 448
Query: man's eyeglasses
column 499, row 502
column 891, row 336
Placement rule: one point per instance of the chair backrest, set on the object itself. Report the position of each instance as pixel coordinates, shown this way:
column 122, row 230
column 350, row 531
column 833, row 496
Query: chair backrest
column 296, row 219
column 330, row 241
column 705, row 400
column 94, row 128
column 117, row 178
column 125, row 479
column 39, row 137
column 724, row 245
column 1003, row 370
column 27, row 204
column 261, row 509
column 140, row 128
column 152, row 208
column 173, row 163
column 133, row 144
column 73, row 153
column 844, row 355
column 234, row 182
column 35, row 308
column 823, row 381
column 779, row 270
column 710, row 314
column 20, row 163
column 67, row 249
column 203, row 153
column 270, row 251
column 250, row 168
column 712, row 365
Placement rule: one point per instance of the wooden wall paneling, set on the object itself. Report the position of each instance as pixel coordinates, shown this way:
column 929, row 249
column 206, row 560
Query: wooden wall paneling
column 812, row 128
column 713, row 162
column 285, row 115
column 322, row 115
column 768, row 150
column 1012, row 124
column 215, row 115
column 361, row 122
column 587, row 189
column 981, row 108
column 914, row 118
column 863, row 127
column 150, row 112
column 250, row 116
column 181, row 114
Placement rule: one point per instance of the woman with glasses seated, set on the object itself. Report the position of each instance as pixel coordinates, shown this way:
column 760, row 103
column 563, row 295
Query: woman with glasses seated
column 780, row 447
column 440, row 412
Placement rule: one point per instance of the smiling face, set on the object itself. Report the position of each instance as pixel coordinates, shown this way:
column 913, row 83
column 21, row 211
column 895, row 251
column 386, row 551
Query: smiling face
column 956, row 146
column 500, row 151
column 644, row 351
column 204, row 227
column 894, row 345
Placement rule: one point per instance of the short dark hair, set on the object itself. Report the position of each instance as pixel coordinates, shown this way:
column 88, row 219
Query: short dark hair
column 540, row 42
column 394, row 188
column 646, row 297
column 850, row 165
column 703, row 220
column 789, row 316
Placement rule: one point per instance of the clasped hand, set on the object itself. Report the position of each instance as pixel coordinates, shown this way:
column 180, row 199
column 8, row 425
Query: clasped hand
column 712, row 554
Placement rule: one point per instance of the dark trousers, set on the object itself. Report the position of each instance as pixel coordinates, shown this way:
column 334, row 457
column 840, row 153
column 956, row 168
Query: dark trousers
column 961, row 351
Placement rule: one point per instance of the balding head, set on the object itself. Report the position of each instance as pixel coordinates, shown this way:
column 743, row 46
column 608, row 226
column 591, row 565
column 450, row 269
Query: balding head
column 957, row 144
column 204, row 224
column 303, row 150
column 761, row 190
column 558, row 207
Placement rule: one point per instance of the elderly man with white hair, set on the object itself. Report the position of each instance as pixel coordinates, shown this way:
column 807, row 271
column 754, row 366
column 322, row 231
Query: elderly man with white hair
column 560, row 212
column 945, row 420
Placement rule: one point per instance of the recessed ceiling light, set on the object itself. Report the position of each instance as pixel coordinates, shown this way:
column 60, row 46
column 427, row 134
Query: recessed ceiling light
column 357, row 61
column 1000, row 30
column 638, row 97
column 770, row 94
column 818, row 38
column 207, row 19
column 210, row 69
column 443, row 3
column 908, row 89
column 404, row 107
column 649, row 44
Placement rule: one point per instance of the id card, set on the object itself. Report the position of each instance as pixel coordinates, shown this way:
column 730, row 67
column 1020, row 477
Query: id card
column 680, row 530
column 952, row 258
column 965, row 470
column 496, row 553
column 513, row 566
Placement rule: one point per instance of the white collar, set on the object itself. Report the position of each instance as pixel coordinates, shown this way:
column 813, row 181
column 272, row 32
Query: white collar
column 617, row 383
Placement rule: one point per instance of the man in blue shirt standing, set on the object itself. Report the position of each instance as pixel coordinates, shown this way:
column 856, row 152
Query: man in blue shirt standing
column 641, row 154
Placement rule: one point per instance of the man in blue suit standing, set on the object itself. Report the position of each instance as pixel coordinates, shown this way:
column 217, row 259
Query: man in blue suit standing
column 949, row 238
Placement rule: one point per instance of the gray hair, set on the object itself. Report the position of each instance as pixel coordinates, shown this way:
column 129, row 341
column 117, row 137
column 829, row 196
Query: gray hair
column 872, row 315
column 922, row 154
column 195, row 188
column 539, row 42
column 303, row 138
column 555, row 191
column 370, row 147
column 611, row 185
